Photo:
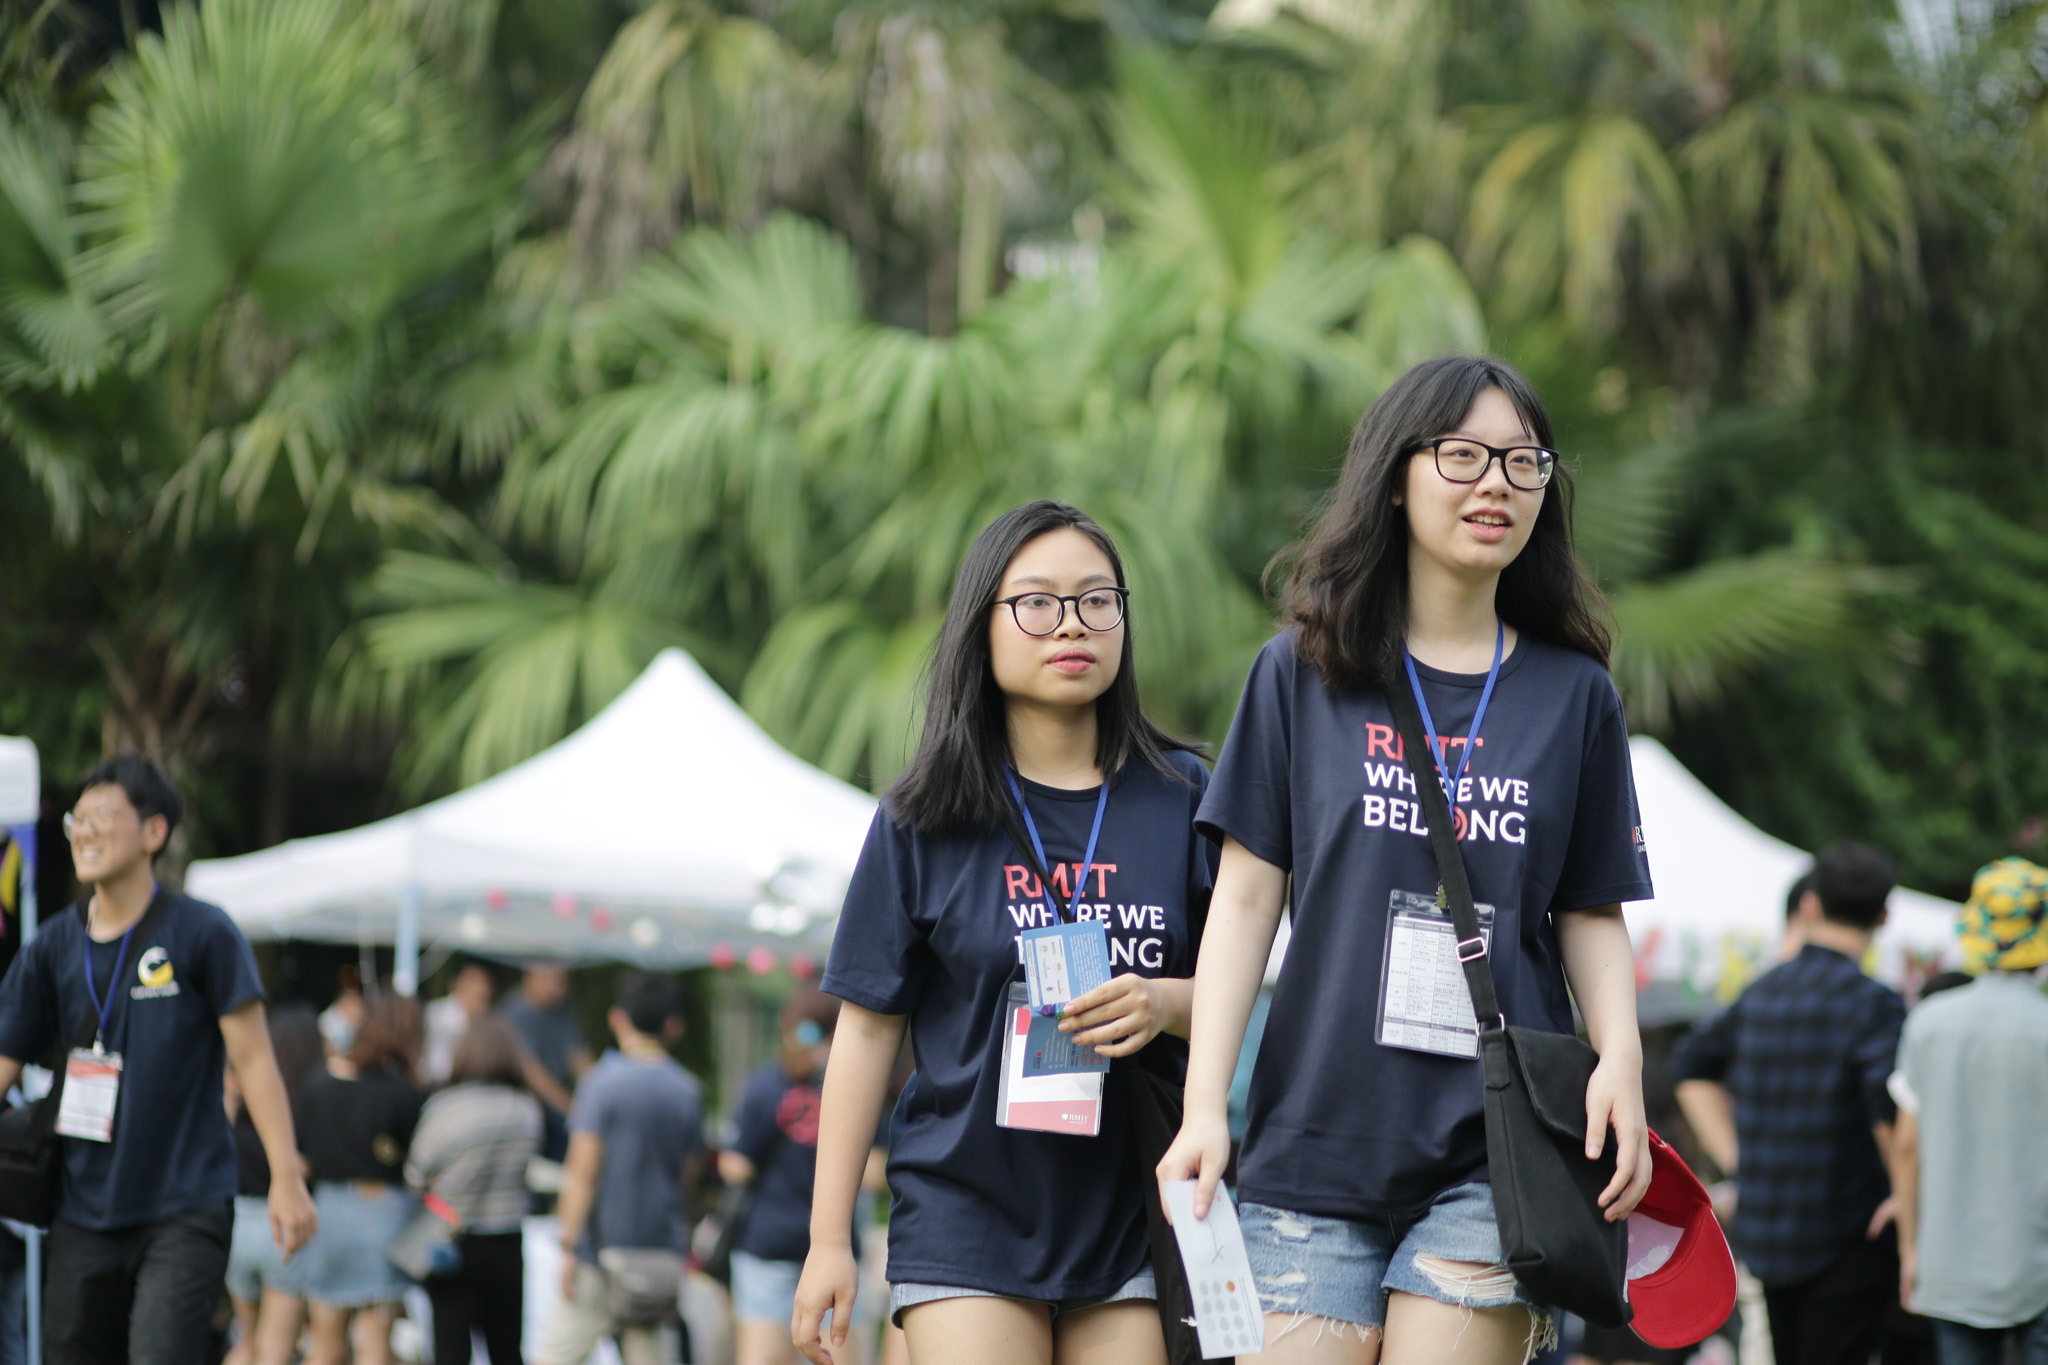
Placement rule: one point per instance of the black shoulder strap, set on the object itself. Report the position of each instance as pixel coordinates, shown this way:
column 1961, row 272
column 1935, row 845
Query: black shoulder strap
column 1450, row 862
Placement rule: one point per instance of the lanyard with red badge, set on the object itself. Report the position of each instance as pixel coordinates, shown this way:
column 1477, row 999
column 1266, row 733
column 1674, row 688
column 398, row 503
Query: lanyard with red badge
column 92, row 1076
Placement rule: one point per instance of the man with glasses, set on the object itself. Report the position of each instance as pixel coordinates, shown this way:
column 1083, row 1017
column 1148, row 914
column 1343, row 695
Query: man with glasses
column 147, row 995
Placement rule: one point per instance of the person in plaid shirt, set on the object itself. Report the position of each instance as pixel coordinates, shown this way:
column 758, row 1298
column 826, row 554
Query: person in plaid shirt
column 1787, row 1087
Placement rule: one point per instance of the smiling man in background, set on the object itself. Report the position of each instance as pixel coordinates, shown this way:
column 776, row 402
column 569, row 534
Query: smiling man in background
column 151, row 994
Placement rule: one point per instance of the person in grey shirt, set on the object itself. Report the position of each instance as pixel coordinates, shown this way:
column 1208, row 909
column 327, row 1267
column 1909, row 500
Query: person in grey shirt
column 634, row 1149
column 1972, row 1088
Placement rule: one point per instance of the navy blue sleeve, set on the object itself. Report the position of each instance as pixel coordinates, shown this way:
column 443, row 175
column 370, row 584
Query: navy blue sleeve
column 1605, row 861
column 227, row 976
column 1249, row 797
column 1705, row 1053
column 591, row 1109
column 1875, row 1056
column 878, row 948
column 756, row 1122
column 28, row 1004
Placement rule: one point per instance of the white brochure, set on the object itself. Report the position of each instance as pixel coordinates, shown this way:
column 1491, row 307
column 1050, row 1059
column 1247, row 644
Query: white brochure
column 1228, row 1319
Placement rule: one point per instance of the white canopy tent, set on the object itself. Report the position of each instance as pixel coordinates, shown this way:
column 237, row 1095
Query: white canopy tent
column 21, row 784
column 668, row 824
column 1720, row 906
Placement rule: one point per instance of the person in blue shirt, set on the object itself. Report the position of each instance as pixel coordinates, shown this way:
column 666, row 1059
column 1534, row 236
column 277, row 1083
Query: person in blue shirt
column 139, row 1247
column 1010, row 1243
column 1442, row 564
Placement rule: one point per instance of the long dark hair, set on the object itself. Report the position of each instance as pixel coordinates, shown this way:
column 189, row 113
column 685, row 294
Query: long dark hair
column 1347, row 593
column 955, row 779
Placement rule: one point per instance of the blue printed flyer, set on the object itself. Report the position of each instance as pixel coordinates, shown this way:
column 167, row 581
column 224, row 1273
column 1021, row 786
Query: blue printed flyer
column 1064, row 961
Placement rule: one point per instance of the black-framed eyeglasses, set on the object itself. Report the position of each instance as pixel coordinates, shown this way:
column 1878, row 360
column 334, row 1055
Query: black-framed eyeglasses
column 1464, row 460
column 1040, row 613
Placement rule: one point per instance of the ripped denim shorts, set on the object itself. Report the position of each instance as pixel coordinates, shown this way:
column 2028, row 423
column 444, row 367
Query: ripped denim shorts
column 1341, row 1271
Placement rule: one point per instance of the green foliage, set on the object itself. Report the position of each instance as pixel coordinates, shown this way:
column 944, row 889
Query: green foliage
column 381, row 386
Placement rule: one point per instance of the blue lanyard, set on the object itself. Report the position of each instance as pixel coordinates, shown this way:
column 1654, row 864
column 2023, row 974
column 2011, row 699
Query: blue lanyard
column 92, row 991
column 1500, row 633
column 1045, row 864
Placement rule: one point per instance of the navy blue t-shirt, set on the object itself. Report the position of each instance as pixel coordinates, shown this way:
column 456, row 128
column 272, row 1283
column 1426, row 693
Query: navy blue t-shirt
column 1312, row 780
column 173, row 1148
column 778, row 1132
column 929, row 931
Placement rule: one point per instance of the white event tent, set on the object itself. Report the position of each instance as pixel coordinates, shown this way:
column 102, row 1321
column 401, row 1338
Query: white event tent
column 668, row 824
column 1721, row 884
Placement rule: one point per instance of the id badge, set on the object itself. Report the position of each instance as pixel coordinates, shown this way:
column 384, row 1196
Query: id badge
column 92, row 1083
column 1056, row 1102
column 1425, row 1005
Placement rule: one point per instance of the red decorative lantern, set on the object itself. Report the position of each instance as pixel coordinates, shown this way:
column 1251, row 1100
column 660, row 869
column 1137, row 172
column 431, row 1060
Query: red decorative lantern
column 760, row 961
column 601, row 920
column 497, row 899
column 565, row 905
column 802, row 967
column 723, row 956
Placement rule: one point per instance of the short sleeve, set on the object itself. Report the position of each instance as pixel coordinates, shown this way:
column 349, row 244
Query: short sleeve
column 1249, row 797
column 429, row 1149
column 227, row 973
column 879, row 947
column 28, row 1007
column 756, row 1120
column 1605, row 860
column 590, row 1111
column 1705, row 1053
column 1902, row 1093
column 1876, row 1056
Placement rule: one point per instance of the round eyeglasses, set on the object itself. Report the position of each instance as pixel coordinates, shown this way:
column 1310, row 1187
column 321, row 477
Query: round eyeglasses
column 1463, row 460
column 1040, row 613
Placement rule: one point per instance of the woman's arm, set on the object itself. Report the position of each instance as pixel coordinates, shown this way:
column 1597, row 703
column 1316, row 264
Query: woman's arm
column 864, row 1048
column 1600, row 967
column 1244, row 915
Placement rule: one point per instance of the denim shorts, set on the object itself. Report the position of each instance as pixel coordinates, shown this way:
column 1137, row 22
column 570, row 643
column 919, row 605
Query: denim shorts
column 345, row 1265
column 253, row 1262
column 903, row 1296
column 763, row 1290
column 1342, row 1270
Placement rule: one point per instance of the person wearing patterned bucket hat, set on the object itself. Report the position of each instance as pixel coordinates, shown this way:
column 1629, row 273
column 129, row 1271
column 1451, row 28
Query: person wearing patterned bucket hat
column 1972, row 1088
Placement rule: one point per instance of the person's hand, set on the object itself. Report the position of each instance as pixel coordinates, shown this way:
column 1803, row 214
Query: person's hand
column 1909, row 1269
column 1614, row 1098
column 1882, row 1218
column 569, row 1266
column 293, row 1220
column 826, row 1286
column 1199, row 1153
column 1116, row 1018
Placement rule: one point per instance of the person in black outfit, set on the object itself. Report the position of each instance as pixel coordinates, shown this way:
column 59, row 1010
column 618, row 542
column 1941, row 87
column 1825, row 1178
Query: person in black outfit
column 355, row 1121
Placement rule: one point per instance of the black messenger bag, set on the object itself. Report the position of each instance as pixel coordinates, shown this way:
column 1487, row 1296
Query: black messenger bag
column 31, row 1153
column 1553, row 1233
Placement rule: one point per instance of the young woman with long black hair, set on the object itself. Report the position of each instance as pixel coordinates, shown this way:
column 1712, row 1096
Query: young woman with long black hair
column 1442, row 564
column 1006, row 1243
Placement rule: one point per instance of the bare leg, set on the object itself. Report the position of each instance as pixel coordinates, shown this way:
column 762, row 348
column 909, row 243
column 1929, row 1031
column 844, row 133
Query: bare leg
column 1297, row 1339
column 330, row 1335
column 895, row 1350
column 1124, row 1333
column 1423, row 1331
column 373, row 1334
column 278, row 1319
column 244, row 1349
column 986, row 1331
column 764, row 1343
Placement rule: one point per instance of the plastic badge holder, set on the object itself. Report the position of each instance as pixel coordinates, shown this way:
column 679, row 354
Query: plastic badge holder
column 1425, row 1005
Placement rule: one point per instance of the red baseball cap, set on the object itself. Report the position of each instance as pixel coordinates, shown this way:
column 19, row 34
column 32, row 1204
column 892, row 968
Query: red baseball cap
column 1681, row 1275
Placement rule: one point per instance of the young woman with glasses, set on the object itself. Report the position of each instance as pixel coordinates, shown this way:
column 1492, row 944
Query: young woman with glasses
column 1442, row 564
column 1026, row 1242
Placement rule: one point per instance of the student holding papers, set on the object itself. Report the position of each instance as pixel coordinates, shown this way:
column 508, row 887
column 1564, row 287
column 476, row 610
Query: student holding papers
column 1027, row 906
column 1444, row 567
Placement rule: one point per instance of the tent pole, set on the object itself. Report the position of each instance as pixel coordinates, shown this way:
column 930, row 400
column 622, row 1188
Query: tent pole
column 405, row 956
column 32, row 1243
